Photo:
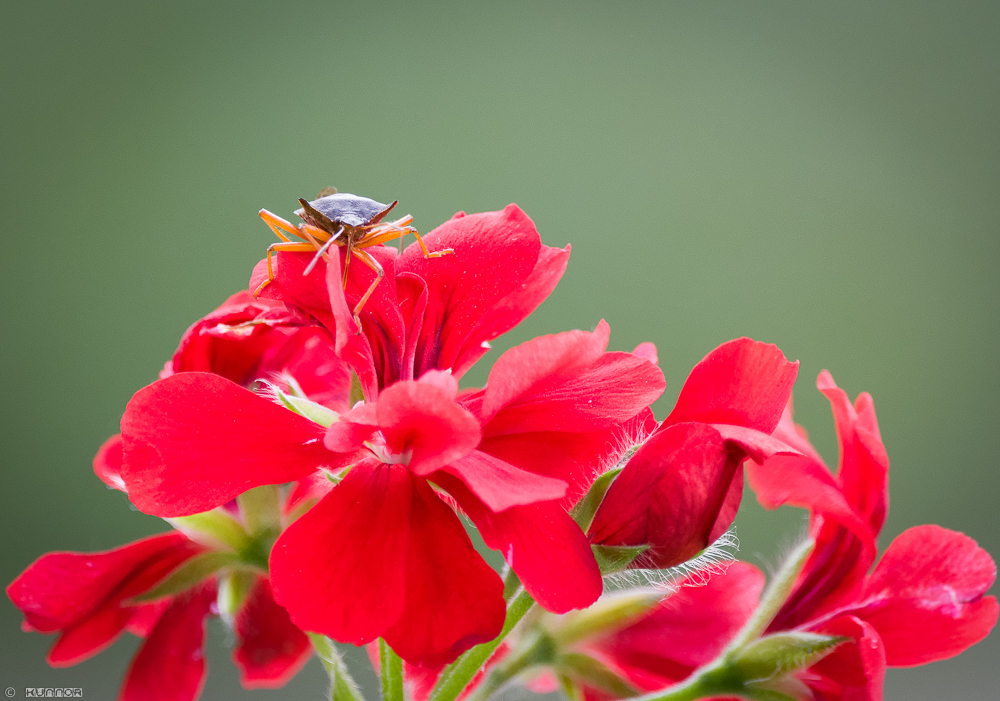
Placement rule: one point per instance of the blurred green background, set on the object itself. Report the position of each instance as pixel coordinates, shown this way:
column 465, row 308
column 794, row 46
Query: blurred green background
column 822, row 176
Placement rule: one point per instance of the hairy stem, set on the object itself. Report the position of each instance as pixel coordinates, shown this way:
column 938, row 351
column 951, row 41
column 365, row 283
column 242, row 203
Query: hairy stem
column 342, row 686
column 456, row 676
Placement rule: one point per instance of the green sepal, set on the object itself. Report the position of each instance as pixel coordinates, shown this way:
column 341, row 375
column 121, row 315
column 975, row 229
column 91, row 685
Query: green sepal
column 195, row 570
column 615, row 558
column 261, row 509
column 781, row 653
column 390, row 672
column 234, row 588
column 357, row 393
column 584, row 510
column 311, row 410
column 585, row 669
column 216, row 524
column 570, row 688
column 607, row 615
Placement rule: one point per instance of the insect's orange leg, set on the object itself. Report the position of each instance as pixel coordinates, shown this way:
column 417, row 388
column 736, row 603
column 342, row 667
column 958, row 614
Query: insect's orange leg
column 435, row 254
column 368, row 260
column 377, row 237
column 274, row 248
column 279, row 225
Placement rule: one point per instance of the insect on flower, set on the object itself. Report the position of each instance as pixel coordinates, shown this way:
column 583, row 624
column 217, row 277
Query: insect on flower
column 345, row 220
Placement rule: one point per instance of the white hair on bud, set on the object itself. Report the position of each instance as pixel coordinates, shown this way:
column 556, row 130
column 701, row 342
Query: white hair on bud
column 622, row 449
column 268, row 389
column 696, row 572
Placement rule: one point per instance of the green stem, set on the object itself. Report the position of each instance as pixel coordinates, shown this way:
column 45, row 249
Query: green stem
column 540, row 650
column 391, row 672
column 774, row 597
column 712, row 680
column 456, row 676
column 343, row 687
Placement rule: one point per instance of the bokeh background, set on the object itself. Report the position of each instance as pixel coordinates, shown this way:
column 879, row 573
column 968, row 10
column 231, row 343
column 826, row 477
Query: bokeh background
column 824, row 176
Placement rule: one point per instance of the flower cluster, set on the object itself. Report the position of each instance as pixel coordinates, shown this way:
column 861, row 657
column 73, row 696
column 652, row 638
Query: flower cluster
column 319, row 465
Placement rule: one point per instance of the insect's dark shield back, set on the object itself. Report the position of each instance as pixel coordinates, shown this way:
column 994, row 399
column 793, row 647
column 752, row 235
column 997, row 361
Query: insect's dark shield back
column 344, row 208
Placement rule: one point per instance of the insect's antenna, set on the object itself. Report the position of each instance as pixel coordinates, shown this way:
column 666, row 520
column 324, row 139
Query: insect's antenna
column 321, row 251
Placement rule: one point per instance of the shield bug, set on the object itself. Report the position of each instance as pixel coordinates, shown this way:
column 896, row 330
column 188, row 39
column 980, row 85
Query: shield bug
column 346, row 220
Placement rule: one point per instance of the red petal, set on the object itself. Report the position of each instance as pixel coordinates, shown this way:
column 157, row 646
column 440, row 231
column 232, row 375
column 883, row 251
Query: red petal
column 311, row 489
column 353, row 541
column 515, row 307
column 730, row 506
column 230, row 340
column 195, row 441
column 61, row 589
column 352, row 429
column 856, row 669
column 423, row 418
column 864, row 465
column 688, row 629
column 90, row 636
column 306, row 292
column 925, row 597
column 800, row 481
column 832, row 576
column 790, row 433
column 613, row 389
column 412, row 291
column 271, row 649
column 500, row 485
column 146, row 616
column 494, row 253
column 170, row 665
column 575, row 458
column 309, row 357
column 518, row 371
column 542, row 544
column 754, row 444
column 566, row 382
column 108, row 463
column 454, row 600
column 669, row 494
column 742, row 382
column 647, row 351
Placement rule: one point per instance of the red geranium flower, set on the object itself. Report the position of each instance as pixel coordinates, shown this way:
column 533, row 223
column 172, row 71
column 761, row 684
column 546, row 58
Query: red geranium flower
column 683, row 487
column 194, row 441
column 87, row 599
column 924, row 600
column 426, row 314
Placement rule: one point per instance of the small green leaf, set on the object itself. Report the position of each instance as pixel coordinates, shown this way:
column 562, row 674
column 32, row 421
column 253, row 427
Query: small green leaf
column 780, row 653
column 615, row 558
column 311, row 410
column 584, row 510
column 195, row 570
